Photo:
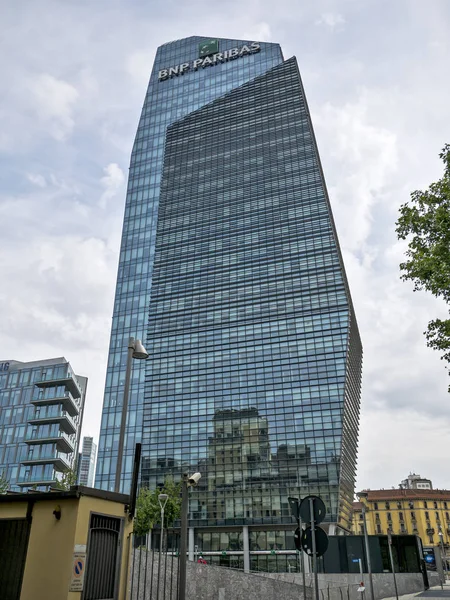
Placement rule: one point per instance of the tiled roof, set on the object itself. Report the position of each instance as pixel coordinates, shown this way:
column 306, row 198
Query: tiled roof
column 399, row 494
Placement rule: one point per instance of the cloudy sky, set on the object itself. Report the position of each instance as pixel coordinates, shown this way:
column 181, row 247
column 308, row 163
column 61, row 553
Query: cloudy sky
column 74, row 75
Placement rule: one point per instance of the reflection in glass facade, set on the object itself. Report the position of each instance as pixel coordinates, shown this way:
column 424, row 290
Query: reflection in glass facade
column 41, row 412
column 165, row 102
column 255, row 359
column 254, row 371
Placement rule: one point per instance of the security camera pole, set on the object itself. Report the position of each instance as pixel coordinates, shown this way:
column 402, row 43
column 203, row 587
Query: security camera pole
column 186, row 482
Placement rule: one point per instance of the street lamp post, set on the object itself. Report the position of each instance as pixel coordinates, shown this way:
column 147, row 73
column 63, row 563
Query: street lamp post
column 364, row 496
column 162, row 499
column 187, row 481
column 135, row 350
column 443, row 557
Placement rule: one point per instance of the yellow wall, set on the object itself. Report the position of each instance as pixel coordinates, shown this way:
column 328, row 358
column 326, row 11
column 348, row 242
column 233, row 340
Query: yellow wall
column 48, row 568
column 49, row 558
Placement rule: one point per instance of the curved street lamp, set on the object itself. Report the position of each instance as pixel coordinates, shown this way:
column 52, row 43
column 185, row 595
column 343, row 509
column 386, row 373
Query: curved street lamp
column 135, row 350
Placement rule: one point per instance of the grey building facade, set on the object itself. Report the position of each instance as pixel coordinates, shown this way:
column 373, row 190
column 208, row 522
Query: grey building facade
column 254, row 371
column 86, row 462
column 41, row 412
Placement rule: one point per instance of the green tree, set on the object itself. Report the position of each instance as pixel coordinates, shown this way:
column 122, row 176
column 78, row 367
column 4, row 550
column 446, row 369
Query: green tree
column 4, row 484
column 148, row 510
column 68, row 479
column 425, row 222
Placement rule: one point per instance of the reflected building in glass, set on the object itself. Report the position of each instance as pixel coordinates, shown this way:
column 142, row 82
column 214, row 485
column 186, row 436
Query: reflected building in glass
column 254, row 371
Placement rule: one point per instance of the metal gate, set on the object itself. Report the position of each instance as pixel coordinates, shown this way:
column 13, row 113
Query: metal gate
column 154, row 567
column 103, row 558
column 14, row 535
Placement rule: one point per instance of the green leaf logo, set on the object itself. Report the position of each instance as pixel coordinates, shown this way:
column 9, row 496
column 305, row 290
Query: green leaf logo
column 208, row 48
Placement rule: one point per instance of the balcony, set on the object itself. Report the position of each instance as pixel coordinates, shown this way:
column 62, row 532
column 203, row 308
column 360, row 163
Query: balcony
column 60, row 464
column 69, row 381
column 61, row 439
column 28, row 481
column 63, row 419
column 68, row 402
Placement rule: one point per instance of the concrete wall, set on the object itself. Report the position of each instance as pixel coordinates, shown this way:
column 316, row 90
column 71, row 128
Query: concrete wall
column 205, row 582
column 344, row 586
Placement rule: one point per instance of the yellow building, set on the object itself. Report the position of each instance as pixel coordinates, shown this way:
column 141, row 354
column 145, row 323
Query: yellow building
column 424, row 512
column 59, row 545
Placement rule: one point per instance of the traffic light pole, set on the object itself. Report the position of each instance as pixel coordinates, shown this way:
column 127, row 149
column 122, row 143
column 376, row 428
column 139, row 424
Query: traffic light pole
column 314, row 549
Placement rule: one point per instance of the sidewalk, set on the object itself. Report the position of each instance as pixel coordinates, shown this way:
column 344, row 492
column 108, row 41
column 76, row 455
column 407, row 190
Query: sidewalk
column 435, row 592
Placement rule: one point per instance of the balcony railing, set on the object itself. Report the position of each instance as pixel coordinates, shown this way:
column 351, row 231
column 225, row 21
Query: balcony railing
column 63, row 418
column 59, row 462
column 67, row 400
column 30, row 481
column 68, row 380
column 62, row 440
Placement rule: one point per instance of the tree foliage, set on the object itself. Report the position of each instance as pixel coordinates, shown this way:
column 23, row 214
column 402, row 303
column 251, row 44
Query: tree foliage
column 68, row 479
column 425, row 222
column 4, row 484
column 148, row 510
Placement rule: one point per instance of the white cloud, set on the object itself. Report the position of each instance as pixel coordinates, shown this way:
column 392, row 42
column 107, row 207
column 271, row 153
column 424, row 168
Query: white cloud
column 53, row 101
column 37, row 179
column 260, row 32
column 331, row 20
column 367, row 155
column 112, row 182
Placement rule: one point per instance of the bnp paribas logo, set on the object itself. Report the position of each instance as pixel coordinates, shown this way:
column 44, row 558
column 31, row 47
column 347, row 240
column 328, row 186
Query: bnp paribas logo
column 208, row 48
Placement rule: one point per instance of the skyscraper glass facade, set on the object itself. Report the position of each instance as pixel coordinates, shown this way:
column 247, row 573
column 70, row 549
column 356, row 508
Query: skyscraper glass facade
column 41, row 412
column 165, row 102
column 86, row 462
column 254, row 371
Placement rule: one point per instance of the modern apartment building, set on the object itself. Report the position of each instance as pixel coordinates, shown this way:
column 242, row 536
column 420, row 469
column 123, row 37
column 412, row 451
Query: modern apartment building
column 41, row 411
column 86, row 462
column 231, row 274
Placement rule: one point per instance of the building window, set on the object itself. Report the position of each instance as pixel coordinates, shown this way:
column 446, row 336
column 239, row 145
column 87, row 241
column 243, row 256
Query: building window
column 447, row 516
column 438, row 518
column 387, row 505
column 435, row 504
column 399, row 504
column 425, row 504
column 360, row 517
column 375, row 505
column 445, row 505
column 378, row 528
column 389, row 516
column 377, row 516
column 402, row 528
column 413, row 516
column 427, row 515
column 411, row 504
column 361, row 530
column 400, row 516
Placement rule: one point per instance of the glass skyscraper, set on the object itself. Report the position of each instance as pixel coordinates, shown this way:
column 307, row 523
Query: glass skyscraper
column 231, row 273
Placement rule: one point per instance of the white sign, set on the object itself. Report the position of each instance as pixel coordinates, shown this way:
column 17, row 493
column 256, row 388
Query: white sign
column 78, row 569
column 208, row 61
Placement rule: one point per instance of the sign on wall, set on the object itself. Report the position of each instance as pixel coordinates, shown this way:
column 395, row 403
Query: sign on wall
column 78, row 569
column 209, row 58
